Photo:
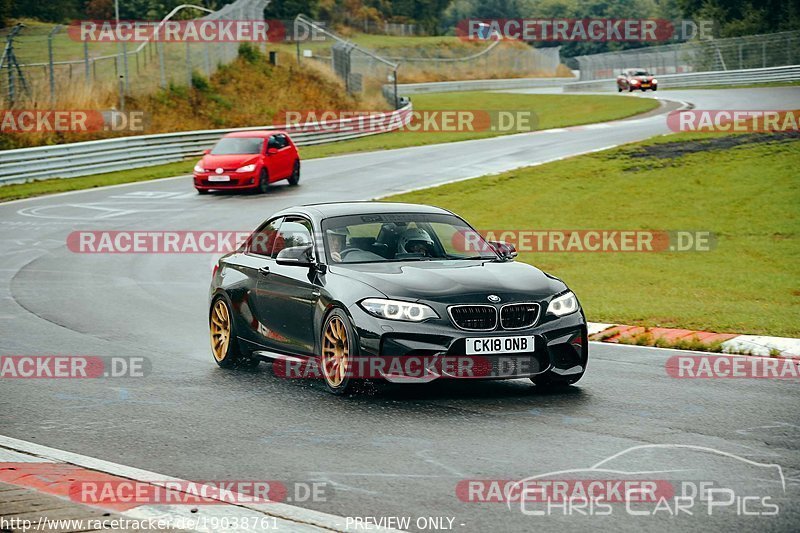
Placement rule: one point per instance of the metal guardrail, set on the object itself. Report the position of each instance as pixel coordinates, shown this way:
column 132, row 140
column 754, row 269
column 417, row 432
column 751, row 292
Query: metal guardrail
column 699, row 79
column 123, row 153
column 480, row 85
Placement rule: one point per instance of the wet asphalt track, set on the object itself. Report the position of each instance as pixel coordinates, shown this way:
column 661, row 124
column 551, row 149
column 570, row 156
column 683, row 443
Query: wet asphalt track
column 395, row 451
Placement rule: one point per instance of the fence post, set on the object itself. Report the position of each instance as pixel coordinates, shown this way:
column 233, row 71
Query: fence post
column 160, row 50
column 10, row 86
column 125, row 65
column 87, row 69
column 188, row 65
column 52, row 66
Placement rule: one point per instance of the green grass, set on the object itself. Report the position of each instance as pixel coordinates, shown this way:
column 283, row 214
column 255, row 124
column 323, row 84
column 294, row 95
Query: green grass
column 746, row 194
column 553, row 111
column 740, row 86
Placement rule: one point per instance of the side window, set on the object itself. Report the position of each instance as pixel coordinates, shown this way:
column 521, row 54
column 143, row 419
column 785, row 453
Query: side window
column 293, row 232
column 263, row 239
column 273, row 142
column 284, row 142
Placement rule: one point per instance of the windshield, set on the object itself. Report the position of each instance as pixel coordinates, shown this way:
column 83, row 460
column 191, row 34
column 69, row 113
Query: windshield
column 376, row 238
column 640, row 73
column 238, row 145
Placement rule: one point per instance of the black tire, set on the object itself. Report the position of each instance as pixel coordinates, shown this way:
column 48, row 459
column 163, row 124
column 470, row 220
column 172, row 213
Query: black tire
column 263, row 182
column 346, row 384
column 202, row 191
column 232, row 356
column 655, row 89
column 630, row 89
column 619, row 89
column 294, row 179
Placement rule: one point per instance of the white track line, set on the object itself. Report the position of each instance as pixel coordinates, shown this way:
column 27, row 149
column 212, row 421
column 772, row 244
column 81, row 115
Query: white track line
column 291, row 518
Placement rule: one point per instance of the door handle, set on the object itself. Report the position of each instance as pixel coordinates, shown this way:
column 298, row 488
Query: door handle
column 263, row 270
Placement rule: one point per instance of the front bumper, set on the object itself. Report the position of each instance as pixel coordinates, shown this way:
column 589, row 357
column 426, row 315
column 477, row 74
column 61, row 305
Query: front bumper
column 560, row 345
column 238, row 180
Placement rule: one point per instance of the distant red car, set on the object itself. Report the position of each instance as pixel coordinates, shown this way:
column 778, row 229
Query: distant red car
column 636, row 78
column 248, row 160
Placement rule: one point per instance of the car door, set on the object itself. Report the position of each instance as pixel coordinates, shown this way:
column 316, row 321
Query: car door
column 278, row 163
column 255, row 258
column 287, row 294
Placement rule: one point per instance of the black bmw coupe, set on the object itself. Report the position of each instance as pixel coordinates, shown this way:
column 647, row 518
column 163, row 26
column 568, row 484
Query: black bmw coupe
column 404, row 292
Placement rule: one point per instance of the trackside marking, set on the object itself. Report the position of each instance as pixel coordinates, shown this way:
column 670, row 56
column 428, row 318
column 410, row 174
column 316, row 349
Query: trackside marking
column 105, row 187
column 289, row 517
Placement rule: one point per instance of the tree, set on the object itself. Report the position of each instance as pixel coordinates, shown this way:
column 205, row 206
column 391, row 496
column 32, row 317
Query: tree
column 5, row 12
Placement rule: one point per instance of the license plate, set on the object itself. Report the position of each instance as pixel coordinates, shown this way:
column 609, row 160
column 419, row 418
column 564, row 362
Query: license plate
column 645, row 85
column 496, row 345
column 219, row 178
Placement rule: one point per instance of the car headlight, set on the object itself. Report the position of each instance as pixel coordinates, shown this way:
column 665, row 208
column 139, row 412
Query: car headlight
column 634, row 81
column 563, row 305
column 198, row 168
column 246, row 168
column 397, row 310
column 654, row 80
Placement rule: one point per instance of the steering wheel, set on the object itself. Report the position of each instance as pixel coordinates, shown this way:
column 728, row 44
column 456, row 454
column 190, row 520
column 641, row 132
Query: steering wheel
column 346, row 251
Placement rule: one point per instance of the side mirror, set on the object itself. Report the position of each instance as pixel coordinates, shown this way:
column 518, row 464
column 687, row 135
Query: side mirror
column 206, row 151
column 505, row 250
column 272, row 151
column 296, row 255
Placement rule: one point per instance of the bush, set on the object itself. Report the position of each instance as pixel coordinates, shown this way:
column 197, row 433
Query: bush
column 200, row 82
column 250, row 53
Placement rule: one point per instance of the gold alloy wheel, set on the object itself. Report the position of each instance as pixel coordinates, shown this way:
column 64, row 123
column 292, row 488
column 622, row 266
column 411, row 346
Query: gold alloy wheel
column 335, row 352
column 220, row 330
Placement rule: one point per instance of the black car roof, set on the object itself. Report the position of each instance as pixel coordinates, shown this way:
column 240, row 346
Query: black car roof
column 322, row 211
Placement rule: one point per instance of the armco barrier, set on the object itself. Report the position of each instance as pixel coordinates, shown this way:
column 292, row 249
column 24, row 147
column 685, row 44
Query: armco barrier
column 122, row 153
column 698, row 79
column 480, row 85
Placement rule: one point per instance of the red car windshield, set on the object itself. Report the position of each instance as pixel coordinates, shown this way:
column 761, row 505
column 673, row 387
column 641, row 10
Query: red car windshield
column 640, row 73
column 238, row 145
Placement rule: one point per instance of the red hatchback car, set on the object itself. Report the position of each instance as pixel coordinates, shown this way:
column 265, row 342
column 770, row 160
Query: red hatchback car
column 248, row 160
column 636, row 78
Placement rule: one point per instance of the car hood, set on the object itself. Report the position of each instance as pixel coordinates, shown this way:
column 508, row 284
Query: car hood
column 455, row 281
column 227, row 161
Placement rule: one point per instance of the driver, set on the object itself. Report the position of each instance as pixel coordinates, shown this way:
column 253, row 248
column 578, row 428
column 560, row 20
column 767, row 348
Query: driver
column 337, row 240
column 415, row 241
